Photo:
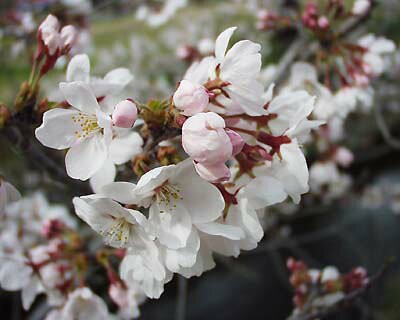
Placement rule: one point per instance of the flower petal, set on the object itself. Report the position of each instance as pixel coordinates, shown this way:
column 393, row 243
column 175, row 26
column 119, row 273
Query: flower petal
column 125, row 146
column 79, row 69
column 58, row 130
column 220, row 229
column 120, row 191
column 172, row 226
column 264, row 191
column 221, row 44
column 84, row 159
column 30, row 291
column 79, row 95
column 203, row 200
column 104, row 176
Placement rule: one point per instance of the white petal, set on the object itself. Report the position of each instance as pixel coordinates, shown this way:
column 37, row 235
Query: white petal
column 153, row 179
column 221, row 44
column 172, row 226
column 204, row 262
column 291, row 108
column 90, row 214
column 220, row 229
column 79, row 69
column 264, row 191
column 120, row 191
column 292, row 170
column 184, row 257
column 203, row 200
column 113, row 82
column 30, row 291
column 14, row 275
column 242, row 59
column 123, row 148
column 198, row 72
column 104, row 176
column 79, row 95
column 83, row 160
column 58, row 130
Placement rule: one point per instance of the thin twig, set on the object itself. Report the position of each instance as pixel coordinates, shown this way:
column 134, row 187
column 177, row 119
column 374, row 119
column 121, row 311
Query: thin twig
column 348, row 299
column 291, row 54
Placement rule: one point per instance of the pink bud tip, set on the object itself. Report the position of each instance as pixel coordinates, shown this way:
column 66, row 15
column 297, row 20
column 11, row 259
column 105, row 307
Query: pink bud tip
column 125, row 114
column 236, row 140
column 323, row 22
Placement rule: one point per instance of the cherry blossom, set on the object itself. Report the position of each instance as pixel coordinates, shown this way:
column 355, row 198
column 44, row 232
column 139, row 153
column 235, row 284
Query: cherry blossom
column 119, row 227
column 85, row 129
column 176, row 197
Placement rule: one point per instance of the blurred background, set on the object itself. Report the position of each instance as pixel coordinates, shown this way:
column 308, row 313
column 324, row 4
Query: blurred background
column 359, row 226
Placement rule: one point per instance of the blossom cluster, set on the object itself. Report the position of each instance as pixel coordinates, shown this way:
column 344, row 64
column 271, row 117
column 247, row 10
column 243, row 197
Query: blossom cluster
column 318, row 289
column 244, row 155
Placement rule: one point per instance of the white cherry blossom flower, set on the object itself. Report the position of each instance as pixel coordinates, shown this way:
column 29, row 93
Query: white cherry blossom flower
column 326, row 179
column 240, row 67
column 120, row 227
column 377, row 49
column 291, row 110
column 83, row 304
column 291, row 170
column 177, row 198
column 16, row 274
column 235, row 71
column 261, row 192
column 128, row 300
column 111, row 84
column 85, row 129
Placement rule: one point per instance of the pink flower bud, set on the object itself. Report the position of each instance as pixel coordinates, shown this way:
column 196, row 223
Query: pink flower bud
column 360, row 7
column 190, row 98
column 236, row 141
column 51, row 22
column 69, row 35
column 204, row 138
column 125, row 114
column 49, row 34
column 323, row 22
column 186, row 52
column 343, row 156
column 214, row 173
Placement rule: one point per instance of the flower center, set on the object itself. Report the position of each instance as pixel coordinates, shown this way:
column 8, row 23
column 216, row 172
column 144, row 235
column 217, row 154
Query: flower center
column 88, row 124
column 117, row 233
column 168, row 194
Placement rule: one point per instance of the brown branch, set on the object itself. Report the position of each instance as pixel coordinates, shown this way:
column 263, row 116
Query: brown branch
column 18, row 135
column 348, row 299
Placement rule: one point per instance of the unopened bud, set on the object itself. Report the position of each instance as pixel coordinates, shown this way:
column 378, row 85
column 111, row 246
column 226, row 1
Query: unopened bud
column 236, row 141
column 323, row 22
column 68, row 37
column 125, row 114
